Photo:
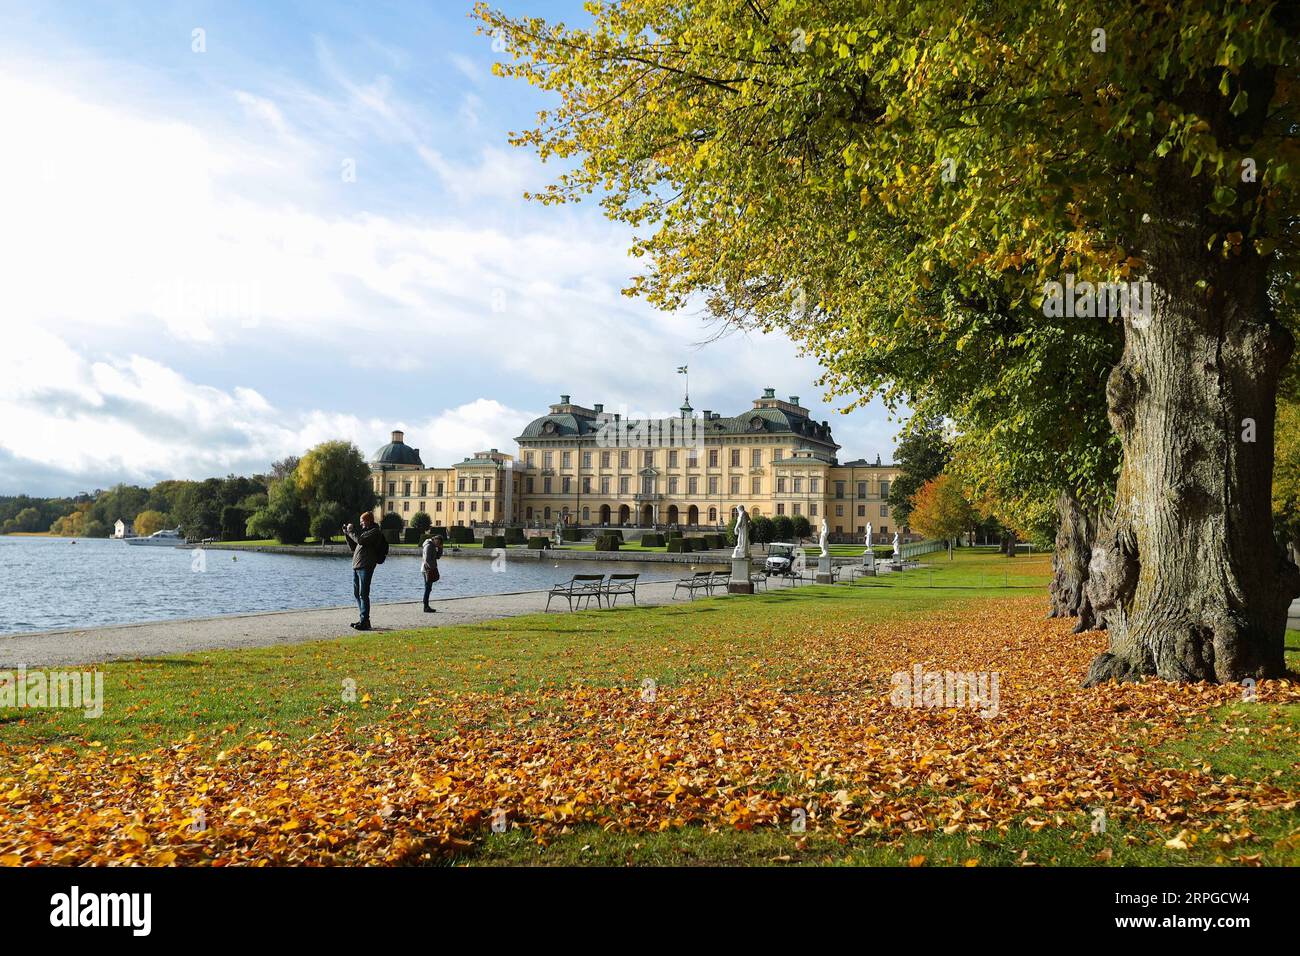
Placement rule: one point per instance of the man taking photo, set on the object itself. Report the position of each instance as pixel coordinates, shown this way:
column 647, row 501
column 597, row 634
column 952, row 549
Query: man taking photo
column 369, row 547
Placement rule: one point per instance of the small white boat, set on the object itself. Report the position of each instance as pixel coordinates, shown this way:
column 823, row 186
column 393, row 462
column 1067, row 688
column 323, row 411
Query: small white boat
column 170, row 537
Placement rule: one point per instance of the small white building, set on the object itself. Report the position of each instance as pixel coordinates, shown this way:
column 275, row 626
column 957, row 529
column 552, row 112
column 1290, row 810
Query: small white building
column 123, row 529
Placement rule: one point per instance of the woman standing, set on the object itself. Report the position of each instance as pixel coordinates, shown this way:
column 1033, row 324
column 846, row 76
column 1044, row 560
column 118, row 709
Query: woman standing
column 430, row 552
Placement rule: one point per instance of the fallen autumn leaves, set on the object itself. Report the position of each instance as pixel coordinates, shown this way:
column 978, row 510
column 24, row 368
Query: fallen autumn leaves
column 741, row 752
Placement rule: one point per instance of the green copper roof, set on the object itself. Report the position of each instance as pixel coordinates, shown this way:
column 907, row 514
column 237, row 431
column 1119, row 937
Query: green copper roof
column 754, row 421
column 397, row 453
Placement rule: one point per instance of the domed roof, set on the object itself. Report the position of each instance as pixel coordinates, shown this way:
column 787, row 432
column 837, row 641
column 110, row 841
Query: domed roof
column 397, row 452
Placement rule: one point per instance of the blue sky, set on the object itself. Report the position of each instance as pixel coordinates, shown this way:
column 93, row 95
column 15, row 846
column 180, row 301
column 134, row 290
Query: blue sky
column 311, row 228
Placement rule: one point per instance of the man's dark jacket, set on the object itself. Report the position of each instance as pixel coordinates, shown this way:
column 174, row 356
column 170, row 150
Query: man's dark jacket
column 365, row 546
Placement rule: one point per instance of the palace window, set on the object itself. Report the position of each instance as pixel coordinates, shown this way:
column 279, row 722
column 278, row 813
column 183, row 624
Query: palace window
column 795, row 509
column 672, row 485
column 692, row 457
column 648, row 459
column 586, row 459
column 548, row 459
column 780, row 486
column 473, row 506
column 528, row 459
column 566, row 459
column 437, row 506
column 713, row 516
column 460, row 484
column 839, row 511
column 422, row 506
column 884, row 511
column 862, row 511
column 586, row 484
column 780, row 507
column 623, row 459
column 756, row 486
column 812, row 509
column 713, row 458
column 692, row 486
column 487, row 506
column 565, row 482
column 884, row 489
column 473, row 484
column 439, row 491
column 884, row 530
column 528, row 484
column 604, row 459
column 735, row 458
column 392, row 488
column 586, row 514
column 460, row 506
column 406, row 489
column 756, row 458
column 623, row 484
column 672, row 458
column 424, row 488
column 406, row 506
column 735, row 484
column 798, row 486
column 814, row 485
column 839, row 489
column 546, row 513
column 713, row 484
column 487, row 484
column 604, row 485
column 862, row 489
column 546, row 486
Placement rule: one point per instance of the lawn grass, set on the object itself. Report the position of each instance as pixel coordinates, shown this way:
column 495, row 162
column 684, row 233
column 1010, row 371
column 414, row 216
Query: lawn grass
column 216, row 699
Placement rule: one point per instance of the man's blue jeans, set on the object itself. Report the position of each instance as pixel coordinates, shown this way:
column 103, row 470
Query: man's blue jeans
column 361, row 578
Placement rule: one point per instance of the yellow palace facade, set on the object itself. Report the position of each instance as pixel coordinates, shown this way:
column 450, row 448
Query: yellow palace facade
column 585, row 467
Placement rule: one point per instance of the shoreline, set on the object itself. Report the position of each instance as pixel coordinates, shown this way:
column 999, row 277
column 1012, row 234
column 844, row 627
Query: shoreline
column 152, row 639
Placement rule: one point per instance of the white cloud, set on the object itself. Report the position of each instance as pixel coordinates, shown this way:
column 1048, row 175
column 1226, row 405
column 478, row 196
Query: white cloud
column 78, row 419
column 139, row 228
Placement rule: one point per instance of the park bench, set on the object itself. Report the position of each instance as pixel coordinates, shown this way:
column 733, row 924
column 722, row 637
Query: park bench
column 581, row 587
column 699, row 581
column 619, row 584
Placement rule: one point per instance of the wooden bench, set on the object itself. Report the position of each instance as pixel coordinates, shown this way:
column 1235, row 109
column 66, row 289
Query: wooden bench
column 699, row 581
column 619, row 584
column 581, row 587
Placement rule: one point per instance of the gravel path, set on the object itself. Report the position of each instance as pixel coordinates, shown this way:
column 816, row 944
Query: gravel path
column 132, row 641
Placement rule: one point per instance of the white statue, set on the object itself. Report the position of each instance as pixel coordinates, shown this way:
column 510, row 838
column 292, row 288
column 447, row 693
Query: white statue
column 867, row 539
column 898, row 550
column 742, row 534
column 868, row 557
column 559, row 531
column 821, row 539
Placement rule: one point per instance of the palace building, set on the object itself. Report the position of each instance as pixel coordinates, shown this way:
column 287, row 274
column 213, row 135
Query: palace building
column 586, row 467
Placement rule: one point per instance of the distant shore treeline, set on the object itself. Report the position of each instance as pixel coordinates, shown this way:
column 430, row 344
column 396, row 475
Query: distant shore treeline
column 316, row 493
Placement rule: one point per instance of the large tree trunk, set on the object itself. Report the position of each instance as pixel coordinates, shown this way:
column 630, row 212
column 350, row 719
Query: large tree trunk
column 1074, row 537
column 1185, row 571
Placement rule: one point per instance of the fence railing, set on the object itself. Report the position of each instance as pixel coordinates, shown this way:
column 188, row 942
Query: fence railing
column 918, row 548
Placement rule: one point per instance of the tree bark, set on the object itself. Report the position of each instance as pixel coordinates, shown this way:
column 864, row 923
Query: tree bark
column 1074, row 537
column 1185, row 572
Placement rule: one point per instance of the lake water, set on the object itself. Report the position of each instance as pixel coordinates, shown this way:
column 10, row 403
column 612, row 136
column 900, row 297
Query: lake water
column 49, row 583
